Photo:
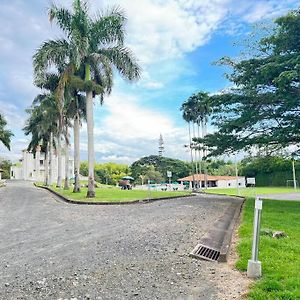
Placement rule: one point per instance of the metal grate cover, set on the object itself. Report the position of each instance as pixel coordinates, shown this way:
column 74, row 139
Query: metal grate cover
column 204, row 252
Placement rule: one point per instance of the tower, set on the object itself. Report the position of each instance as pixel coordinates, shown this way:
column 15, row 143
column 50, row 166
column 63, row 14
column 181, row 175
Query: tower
column 161, row 147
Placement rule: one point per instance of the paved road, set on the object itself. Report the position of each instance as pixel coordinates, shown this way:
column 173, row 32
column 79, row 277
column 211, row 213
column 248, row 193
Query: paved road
column 53, row 250
column 287, row 196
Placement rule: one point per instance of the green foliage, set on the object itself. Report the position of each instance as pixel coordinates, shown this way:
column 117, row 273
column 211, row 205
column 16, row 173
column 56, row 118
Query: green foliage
column 269, row 170
column 5, row 135
column 5, row 166
column 106, row 173
column 280, row 257
column 178, row 168
column 263, row 108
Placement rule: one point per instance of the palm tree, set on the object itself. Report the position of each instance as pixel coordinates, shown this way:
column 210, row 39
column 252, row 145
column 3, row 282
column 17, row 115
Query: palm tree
column 98, row 45
column 5, row 135
column 203, row 109
column 41, row 124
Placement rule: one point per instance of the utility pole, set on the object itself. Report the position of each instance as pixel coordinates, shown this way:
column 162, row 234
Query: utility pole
column 294, row 174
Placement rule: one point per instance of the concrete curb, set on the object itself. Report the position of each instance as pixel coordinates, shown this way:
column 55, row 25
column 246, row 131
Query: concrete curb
column 142, row 201
column 218, row 237
column 225, row 248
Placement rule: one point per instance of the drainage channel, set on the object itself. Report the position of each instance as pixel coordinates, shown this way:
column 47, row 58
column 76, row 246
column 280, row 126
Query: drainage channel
column 204, row 252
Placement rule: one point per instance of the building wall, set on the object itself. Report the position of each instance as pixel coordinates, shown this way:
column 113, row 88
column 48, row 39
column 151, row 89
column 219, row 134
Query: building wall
column 231, row 183
column 34, row 169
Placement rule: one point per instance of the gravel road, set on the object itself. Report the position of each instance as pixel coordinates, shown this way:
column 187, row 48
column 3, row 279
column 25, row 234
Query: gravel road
column 53, row 250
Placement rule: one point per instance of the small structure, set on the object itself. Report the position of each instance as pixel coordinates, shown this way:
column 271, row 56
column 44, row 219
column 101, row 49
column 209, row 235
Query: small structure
column 1, row 171
column 214, row 181
column 32, row 167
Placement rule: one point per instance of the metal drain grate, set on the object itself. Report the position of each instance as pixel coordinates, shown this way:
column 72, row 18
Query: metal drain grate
column 204, row 252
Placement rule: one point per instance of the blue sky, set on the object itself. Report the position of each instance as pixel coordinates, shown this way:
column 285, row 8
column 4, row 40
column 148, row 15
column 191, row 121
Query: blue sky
column 175, row 41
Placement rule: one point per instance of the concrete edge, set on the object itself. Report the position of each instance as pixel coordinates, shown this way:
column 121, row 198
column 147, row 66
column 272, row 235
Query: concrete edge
column 225, row 248
column 142, row 201
column 242, row 197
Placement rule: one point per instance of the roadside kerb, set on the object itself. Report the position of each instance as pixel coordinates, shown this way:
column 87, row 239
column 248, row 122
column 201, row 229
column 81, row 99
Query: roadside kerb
column 142, row 201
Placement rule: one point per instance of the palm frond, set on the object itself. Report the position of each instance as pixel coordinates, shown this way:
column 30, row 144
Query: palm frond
column 108, row 27
column 62, row 16
column 52, row 52
column 124, row 61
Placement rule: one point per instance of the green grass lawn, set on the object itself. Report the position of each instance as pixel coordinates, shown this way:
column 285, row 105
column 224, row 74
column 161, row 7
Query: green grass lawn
column 114, row 194
column 280, row 258
column 251, row 192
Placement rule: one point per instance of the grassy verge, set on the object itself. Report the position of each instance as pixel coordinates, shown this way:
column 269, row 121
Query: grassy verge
column 251, row 192
column 114, row 194
column 280, row 257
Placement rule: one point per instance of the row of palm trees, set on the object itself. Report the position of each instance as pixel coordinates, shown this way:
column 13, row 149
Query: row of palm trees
column 195, row 111
column 71, row 72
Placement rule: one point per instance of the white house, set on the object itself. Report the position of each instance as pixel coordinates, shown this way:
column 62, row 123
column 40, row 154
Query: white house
column 215, row 181
column 32, row 167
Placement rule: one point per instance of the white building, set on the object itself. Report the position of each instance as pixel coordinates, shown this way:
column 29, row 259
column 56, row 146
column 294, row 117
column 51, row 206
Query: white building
column 32, row 167
column 215, row 181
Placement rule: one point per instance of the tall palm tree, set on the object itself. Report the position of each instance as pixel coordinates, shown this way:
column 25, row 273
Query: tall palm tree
column 203, row 109
column 41, row 124
column 98, row 45
column 5, row 134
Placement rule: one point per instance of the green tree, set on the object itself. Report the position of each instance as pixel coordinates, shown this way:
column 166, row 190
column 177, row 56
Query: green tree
column 97, row 44
column 5, row 134
column 161, row 164
column 5, row 167
column 262, row 109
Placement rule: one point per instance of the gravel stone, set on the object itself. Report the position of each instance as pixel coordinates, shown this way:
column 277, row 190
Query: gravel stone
column 53, row 250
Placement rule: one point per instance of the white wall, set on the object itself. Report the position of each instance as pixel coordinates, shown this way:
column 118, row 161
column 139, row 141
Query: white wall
column 27, row 168
column 231, row 183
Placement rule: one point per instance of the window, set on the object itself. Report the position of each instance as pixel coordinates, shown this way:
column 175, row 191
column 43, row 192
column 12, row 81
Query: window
column 41, row 162
column 229, row 184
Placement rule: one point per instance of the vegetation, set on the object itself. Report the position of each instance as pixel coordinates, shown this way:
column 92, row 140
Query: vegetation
column 5, row 134
column 5, row 166
column 83, row 62
column 141, row 169
column 114, row 194
column 262, row 110
column 280, row 257
column 106, row 173
column 269, row 170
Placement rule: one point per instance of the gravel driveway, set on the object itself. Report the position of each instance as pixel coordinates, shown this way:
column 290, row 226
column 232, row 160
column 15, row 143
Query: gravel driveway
column 53, row 250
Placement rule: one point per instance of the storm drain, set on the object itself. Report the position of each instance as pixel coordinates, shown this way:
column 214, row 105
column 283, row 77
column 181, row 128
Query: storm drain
column 204, row 252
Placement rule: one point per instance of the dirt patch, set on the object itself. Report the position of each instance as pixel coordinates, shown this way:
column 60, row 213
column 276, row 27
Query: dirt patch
column 232, row 283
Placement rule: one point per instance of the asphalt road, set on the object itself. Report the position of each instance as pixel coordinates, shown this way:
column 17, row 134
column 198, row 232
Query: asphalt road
column 53, row 250
column 286, row 196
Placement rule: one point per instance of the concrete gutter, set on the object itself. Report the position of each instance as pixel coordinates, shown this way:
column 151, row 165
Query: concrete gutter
column 220, row 235
column 142, row 201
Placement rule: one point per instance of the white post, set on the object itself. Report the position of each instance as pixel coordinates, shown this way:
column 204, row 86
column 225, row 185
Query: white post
column 254, row 265
column 237, row 176
column 294, row 175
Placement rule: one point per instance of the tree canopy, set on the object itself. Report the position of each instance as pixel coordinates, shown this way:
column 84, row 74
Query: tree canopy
column 5, row 134
column 262, row 107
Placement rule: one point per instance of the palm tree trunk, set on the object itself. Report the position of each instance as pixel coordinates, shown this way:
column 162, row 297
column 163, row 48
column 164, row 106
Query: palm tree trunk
column 90, row 132
column 192, row 160
column 51, row 159
column 196, row 160
column 59, row 169
column 199, row 154
column 47, row 165
column 66, row 183
column 76, row 154
column 204, row 153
